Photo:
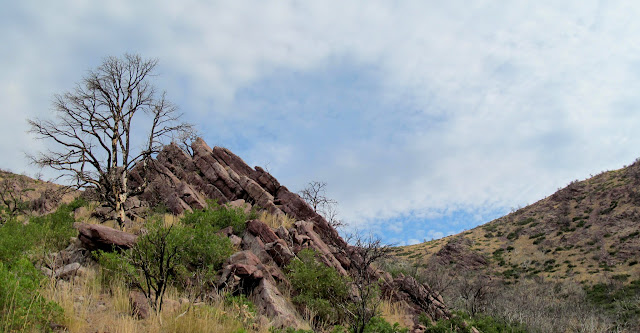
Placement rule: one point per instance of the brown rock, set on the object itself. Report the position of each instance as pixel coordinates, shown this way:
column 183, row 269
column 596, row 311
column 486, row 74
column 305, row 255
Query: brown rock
column 69, row 271
column 283, row 233
column 255, row 245
column 170, row 305
column 267, row 181
column 228, row 231
column 95, row 236
column 419, row 297
column 242, row 267
column 271, row 302
column 280, row 252
column 261, row 230
column 225, row 157
column 235, row 240
column 293, row 205
column 316, row 242
column 139, row 305
column 240, row 203
column 459, row 250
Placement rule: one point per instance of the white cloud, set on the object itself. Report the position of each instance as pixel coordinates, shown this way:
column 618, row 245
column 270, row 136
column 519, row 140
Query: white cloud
column 413, row 241
column 486, row 104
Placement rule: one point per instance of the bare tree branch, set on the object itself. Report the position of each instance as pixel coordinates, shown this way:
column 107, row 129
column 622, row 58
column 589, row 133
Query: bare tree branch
column 96, row 126
column 315, row 195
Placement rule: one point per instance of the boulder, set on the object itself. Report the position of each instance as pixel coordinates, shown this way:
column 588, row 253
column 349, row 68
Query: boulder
column 100, row 237
column 235, row 240
column 139, row 305
column 69, row 271
column 261, row 230
column 271, row 302
column 240, row 203
column 242, row 269
column 280, row 252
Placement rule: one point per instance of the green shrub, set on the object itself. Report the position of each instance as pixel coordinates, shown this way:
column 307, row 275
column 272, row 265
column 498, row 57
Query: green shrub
column 50, row 232
column 463, row 323
column 219, row 217
column 22, row 308
column 318, row 287
column 206, row 248
column 379, row 325
column 116, row 267
column 168, row 255
column 293, row 330
column 525, row 221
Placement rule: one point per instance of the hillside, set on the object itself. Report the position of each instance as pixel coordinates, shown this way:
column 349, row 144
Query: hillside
column 587, row 233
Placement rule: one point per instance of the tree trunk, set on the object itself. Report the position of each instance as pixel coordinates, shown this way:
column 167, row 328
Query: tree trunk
column 119, row 213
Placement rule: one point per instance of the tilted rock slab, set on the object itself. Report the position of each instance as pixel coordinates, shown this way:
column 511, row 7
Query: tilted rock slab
column 100, row 237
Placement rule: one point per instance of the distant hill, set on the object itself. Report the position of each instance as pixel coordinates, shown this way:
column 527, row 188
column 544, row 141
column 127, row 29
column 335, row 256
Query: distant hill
column 567, row 263
column 20, row 194
column 588, row 231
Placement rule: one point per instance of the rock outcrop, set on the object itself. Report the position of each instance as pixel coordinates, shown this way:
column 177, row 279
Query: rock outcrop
column 100, row 237
column 184, row 182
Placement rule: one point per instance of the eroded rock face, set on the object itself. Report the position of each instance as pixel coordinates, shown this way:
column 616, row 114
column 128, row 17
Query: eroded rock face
column 419, row 297
column 458, row 250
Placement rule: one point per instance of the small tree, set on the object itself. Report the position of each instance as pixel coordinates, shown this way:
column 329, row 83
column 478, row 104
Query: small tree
column 318, row 288
column 97, row 141
column 157, row 256
column 315, row 195
column 13, row 197
column 475, row 292
column 367, row 252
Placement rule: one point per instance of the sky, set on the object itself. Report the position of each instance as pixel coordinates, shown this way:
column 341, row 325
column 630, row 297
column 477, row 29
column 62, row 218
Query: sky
column 424, row 118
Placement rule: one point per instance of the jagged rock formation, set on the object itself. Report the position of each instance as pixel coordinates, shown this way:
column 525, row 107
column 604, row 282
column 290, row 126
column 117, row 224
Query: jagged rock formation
column 183, row 182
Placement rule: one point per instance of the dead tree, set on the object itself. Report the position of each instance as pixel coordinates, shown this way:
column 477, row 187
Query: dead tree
column 112, row 121
column 315, row 195
column 367, row 251
column 13, row 198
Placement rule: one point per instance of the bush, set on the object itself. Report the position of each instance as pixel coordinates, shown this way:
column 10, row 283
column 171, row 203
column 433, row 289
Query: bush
column 42, row 234
column 206, row 249
column 379, row 325
column 166, row 255
column 318, row 287
column 462, row 322
column 22, row 308
column 219, row 217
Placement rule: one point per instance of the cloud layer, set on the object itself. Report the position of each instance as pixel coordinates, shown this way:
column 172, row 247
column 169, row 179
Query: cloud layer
column 418, row 114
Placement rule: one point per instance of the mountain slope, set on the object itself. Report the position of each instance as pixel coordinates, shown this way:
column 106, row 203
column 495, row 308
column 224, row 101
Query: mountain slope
column 588, row 231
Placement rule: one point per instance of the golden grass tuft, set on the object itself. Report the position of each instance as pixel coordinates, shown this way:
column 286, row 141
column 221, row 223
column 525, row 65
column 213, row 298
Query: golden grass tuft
column 394, row 312
column 276, row 220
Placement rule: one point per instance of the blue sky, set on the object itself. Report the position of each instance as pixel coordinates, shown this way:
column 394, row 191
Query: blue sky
column 424, row 118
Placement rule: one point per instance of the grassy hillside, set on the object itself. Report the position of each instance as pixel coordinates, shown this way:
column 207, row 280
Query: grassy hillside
column 587, row 232
column 584, row 238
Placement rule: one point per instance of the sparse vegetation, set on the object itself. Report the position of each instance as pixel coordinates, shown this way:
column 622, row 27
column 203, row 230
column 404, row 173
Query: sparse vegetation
column 219, row 216
column 319, row 289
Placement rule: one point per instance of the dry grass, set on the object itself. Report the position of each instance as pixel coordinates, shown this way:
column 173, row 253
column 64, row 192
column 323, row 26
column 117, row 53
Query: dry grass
column 394, row 312
column 93, row 305
column 275, row 221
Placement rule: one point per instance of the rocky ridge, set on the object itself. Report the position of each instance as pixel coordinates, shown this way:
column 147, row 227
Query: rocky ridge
column 185, row 182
